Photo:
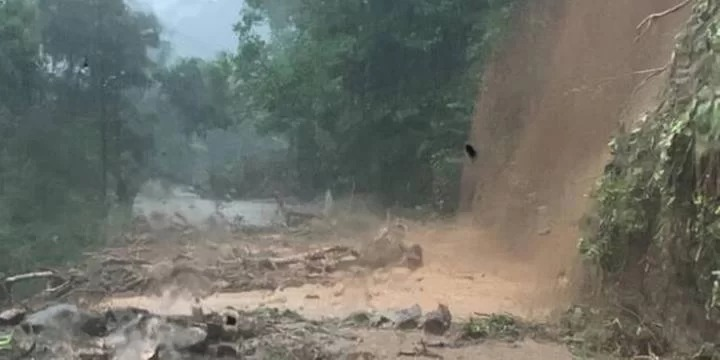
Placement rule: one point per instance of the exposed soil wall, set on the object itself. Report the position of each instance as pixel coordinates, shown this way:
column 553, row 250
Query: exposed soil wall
column 550, row 102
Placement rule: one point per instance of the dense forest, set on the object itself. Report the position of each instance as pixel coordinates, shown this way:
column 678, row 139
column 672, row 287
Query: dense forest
column 366, row 96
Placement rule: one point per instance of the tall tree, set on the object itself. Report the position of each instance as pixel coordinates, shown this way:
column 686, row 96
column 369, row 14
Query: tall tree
column 367, row 90
column 67, row 122
column 100, row 48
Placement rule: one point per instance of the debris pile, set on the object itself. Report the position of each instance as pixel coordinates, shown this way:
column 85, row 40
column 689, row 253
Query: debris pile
column 64, row 331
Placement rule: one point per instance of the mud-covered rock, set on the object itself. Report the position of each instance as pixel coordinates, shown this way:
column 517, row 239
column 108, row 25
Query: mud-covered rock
column 225, row 350
column 414, row 257
column 358, row 318
column 230, row 324
column 67, row 318
column 188, row 338
column 409, row 318
column 380, row 320
column 12, row 316
column 438, row 321
column 134, row 334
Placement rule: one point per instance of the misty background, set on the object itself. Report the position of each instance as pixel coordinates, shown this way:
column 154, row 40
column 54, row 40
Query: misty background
column 232, row 101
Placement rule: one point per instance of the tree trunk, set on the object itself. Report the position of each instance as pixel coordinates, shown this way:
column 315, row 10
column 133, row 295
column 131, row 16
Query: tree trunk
column 103, row 154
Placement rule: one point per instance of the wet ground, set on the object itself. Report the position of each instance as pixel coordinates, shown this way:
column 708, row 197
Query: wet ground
column 465, row 270
column 197, row 211
column 489, row 283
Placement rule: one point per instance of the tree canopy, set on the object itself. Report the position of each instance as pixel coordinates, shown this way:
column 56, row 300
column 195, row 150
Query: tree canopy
column 372, row 93
column 357, row 95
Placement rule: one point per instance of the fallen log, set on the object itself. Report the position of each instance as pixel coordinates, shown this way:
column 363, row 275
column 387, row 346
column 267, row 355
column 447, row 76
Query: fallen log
column 55, row 283
column 317, row 254
column 29, row 276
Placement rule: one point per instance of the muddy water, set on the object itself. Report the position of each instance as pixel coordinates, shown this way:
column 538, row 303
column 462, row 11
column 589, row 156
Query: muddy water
column 198, row 210
column 467, row 275
column 480, row 279
column 555, row 94
column 465, row 294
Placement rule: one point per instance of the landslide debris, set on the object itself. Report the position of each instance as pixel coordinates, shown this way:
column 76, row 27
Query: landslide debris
column 142, row 262
column 67, row 332
column 64, row 331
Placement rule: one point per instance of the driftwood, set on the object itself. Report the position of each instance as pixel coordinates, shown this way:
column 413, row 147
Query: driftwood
column 56, row 285
column 312, row 255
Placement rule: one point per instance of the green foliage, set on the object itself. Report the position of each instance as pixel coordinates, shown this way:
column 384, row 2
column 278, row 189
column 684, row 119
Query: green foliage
column 370, row 96
column 660, row 197
column 626, row 203
column 368, row 93
column 201, row 92
column 68, row 131
column 493, row 326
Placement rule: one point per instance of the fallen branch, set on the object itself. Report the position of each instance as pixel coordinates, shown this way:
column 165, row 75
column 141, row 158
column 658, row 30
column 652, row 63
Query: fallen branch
column 29, row 276
column 646, row 23
column 653, row 73
column 55, row 283
column 310, row 255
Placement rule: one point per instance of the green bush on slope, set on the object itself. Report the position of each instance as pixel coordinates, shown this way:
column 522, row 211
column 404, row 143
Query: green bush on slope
column 658, row 201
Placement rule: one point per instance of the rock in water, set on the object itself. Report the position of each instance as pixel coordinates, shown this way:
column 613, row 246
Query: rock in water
column 67, row 318
column 12, row 317
column 438, row 321
column 409, row 318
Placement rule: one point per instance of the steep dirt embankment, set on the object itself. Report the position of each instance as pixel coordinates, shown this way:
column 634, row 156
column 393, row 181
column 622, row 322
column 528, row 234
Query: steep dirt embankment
column 549, row 105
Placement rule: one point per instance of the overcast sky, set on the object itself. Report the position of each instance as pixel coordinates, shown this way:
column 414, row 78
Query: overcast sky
column 199, row 28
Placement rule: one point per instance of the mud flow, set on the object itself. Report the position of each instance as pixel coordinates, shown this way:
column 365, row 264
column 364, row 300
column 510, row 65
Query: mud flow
column 190, row 281
column 572, row 74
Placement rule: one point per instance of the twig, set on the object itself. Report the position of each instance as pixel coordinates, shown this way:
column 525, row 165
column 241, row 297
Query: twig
column 646, row 23
column 7, row 283
column 650, row 356
column 653, row 73
column 384, row 232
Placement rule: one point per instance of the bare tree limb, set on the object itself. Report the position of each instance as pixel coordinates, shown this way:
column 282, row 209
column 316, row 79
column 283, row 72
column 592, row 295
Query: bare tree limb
column 647, row 22
column 310, row 255
column 653, row 73
column 55, row 282
column 29, row 276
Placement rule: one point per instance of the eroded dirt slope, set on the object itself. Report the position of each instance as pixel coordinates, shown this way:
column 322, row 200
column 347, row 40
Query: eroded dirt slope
column 551, row 101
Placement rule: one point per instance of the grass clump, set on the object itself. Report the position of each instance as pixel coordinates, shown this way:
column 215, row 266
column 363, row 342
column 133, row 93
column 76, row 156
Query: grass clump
column 492, row 326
